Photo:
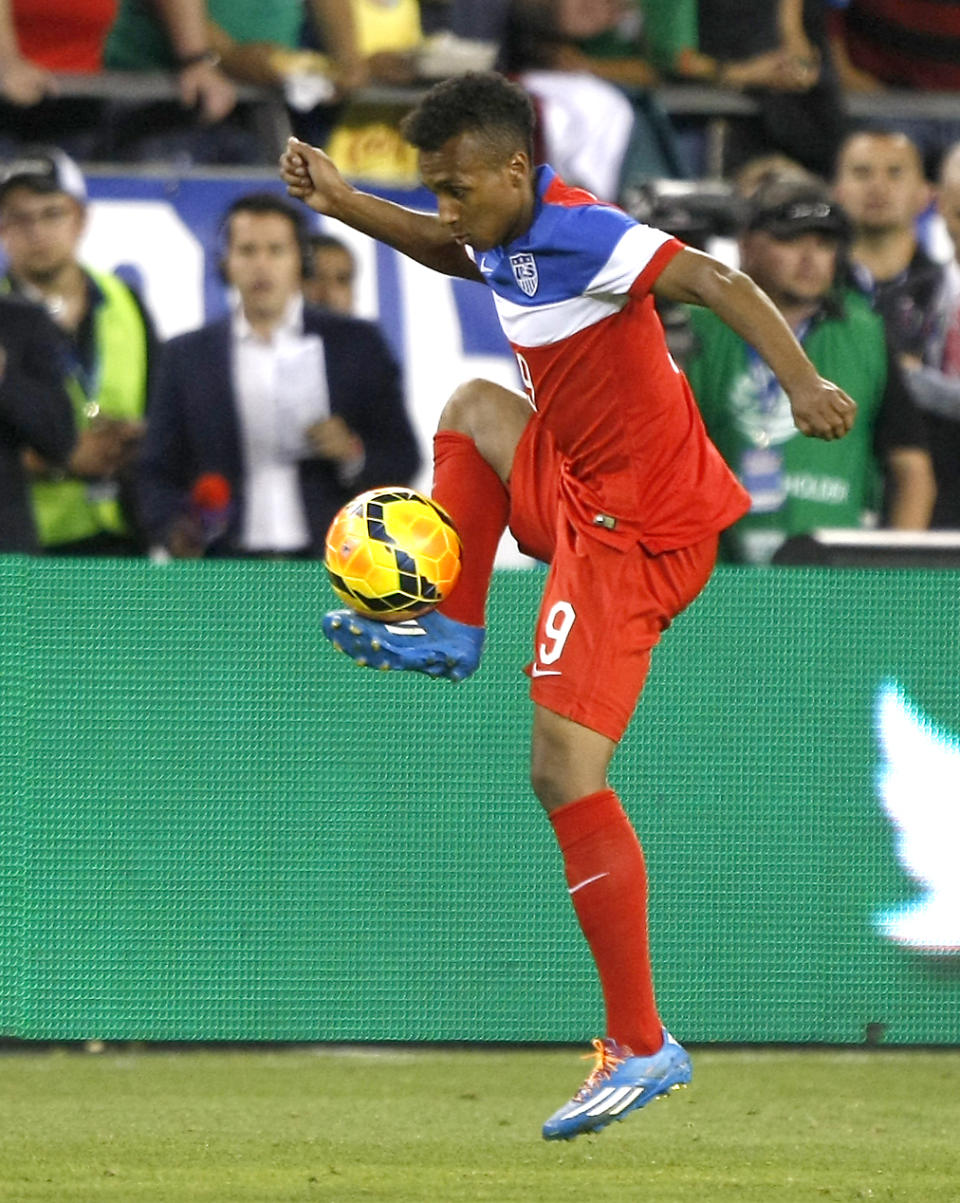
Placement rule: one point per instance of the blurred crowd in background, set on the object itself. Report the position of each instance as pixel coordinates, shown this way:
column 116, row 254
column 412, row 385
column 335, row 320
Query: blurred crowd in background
column 291, row 404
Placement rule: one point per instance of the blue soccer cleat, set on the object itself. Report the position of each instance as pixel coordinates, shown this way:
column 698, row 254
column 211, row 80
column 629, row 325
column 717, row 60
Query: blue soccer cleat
column 431, row 644
column 620, row 1083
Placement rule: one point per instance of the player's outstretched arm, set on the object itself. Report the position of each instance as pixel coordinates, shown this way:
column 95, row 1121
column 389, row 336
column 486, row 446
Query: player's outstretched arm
column 310, row 176
column 820, row 408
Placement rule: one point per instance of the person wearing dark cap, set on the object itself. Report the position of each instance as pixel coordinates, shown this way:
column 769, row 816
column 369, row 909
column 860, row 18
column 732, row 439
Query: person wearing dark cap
column 108, row 343
column 794, row 237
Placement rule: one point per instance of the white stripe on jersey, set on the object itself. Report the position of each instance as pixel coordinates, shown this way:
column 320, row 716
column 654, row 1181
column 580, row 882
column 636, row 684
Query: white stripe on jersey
column 606, row 294
column 540, row 325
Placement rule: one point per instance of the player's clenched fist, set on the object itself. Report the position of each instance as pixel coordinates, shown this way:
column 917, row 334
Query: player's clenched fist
column 310, row 176
column 823, row 411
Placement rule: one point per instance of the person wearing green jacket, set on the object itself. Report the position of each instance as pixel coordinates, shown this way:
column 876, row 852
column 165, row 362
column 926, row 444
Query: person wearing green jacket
column 882, row 470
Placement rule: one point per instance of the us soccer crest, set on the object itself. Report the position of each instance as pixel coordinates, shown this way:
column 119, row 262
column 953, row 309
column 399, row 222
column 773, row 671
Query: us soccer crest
column 525, row 272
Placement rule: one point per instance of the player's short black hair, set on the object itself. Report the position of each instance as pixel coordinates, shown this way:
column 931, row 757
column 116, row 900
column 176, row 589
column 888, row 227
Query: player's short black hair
column 261, row 203
column 479, row 102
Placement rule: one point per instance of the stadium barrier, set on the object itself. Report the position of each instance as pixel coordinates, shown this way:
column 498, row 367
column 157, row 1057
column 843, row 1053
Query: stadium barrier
column 714, row 106
column 214, row 828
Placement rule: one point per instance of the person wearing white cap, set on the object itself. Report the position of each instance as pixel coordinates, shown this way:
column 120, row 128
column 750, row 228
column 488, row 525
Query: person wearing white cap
column 108, row 345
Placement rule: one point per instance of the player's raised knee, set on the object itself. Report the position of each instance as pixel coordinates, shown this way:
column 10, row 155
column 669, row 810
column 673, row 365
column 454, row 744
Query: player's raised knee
column 469, row 406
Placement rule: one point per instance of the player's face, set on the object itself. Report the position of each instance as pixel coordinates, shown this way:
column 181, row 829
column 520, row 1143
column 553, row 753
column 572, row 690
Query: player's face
column 331, row 284
column 40, row 232
column 880, row 182
column 263, row 263
column 484, row 199
column 948, row 202
column 795, row 272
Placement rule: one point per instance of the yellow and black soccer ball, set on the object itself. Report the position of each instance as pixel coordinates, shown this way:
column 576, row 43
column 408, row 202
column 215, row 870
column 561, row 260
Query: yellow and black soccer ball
column 392, row 553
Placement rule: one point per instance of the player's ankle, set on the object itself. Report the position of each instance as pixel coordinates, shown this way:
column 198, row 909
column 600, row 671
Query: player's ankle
column 462, row 622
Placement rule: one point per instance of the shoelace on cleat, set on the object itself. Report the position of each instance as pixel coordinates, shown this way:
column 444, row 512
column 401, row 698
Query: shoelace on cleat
column 605, row 1062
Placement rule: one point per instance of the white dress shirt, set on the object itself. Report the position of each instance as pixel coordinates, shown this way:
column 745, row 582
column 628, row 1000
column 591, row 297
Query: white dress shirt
column 280, row 385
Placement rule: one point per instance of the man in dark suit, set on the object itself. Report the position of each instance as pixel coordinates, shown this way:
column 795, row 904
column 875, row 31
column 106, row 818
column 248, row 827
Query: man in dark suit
column 297, row 408
column 35, row 413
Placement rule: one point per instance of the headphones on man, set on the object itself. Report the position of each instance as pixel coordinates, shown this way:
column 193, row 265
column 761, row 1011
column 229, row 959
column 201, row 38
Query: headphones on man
column 265, row 203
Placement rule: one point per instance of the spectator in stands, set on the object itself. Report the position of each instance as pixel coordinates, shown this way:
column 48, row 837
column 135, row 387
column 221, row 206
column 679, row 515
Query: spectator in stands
column 205, row 41
column 38, row 38
column 253, row 43
column 35, row 413
column 109, row 344
column 790, row 248
column 483, row 20
column 333, row 271
column 911, row 44
column 298, row 408
column 881, row 185
column 258, row 44
column 203, row 86
column 764, row 169
column 585, row 123
column 934, row 377
column 603, row 38
column 23, row 81
column 775, row 50
column 366, row 142
column 61, row 35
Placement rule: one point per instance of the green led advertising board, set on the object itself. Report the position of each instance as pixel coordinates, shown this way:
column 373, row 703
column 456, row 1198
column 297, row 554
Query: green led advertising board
column 214, row 828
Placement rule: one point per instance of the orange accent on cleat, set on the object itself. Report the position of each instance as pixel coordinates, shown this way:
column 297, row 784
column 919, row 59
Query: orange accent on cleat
column 605, row 1062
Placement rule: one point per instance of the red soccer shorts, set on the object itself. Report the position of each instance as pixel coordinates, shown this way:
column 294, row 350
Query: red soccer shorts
column 603, row 609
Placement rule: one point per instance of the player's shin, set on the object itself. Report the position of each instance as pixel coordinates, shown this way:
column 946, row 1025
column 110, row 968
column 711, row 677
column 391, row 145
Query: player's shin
column 607, row 880
column 475, row 497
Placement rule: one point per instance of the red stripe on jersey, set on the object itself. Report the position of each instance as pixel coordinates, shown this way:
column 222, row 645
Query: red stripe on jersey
column 568, row 197
column 661, row 257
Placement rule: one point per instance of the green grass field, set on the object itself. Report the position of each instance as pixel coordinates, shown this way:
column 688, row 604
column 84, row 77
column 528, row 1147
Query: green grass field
column 345, row 1124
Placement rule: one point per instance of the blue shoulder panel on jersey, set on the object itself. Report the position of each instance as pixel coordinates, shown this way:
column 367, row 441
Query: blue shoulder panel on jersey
column 559, row 255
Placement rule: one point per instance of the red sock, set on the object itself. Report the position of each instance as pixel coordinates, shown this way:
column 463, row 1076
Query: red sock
column 474, row 496
column 608, row 887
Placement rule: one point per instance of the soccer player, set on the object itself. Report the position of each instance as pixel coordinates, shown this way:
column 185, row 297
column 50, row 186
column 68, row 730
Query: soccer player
column 603, row 469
